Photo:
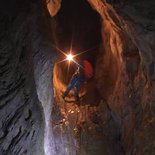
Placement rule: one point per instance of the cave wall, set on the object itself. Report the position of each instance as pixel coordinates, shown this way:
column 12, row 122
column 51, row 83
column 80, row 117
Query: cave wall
column 125, row 73
column 26, row 59
column 126, row 64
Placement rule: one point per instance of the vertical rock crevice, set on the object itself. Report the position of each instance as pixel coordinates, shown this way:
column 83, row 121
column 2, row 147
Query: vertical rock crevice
column 124, row 73
column 122, row 114
column 127, row 46
column 26, row 59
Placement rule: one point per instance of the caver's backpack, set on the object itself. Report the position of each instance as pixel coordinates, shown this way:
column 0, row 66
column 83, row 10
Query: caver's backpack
column 88, row 69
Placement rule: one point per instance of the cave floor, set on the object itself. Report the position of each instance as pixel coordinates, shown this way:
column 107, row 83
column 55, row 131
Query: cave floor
column 85, row 122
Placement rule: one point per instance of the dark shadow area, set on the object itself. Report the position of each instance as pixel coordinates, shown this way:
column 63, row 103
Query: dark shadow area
column 79, row 24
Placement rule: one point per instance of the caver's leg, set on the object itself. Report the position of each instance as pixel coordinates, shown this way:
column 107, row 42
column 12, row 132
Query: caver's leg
column 76, row 93
column 67, row 90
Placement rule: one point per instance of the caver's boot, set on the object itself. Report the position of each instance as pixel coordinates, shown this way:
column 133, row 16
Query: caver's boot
column 77, row 98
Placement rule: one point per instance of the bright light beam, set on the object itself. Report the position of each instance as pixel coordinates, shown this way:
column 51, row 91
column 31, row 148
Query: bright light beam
column 60, row 50
column 70, row 57
column 61, row 61
column 85, row 51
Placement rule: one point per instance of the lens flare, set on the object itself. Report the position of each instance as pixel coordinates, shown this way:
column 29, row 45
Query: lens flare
column 70, row 57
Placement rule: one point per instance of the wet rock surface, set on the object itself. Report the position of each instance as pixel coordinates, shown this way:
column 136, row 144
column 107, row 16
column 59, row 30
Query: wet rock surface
column 22, row 40
column 130, row 47
column 124, row 79
column 115, row 115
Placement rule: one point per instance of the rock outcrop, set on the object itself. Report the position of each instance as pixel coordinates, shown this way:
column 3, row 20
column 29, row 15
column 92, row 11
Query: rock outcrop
column 124, row 76
column 126, row 70
column 25, row 73
column 116, row 113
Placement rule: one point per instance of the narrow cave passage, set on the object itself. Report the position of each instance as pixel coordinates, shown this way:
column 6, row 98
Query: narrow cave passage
column 116, row 112
column 97, row 124
column 78, row 23
column 78, row 27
